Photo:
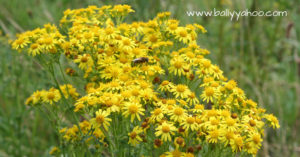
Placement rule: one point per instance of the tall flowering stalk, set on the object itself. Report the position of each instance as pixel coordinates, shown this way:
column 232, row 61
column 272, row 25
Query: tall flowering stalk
column 145, row 88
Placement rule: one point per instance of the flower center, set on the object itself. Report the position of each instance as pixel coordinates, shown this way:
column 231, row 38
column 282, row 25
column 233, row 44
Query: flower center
column 206, row 63
column 229, row 135
column 178, row 64
column 214, row 122
column 183, row 33
column 176, row 153
column 179, row 140
column 114, row 73
column 133, row 109
column 178, row 111
column 100, row 119
column 87, row 35
column 165, row 129
column 153, row 39
column 50, row 96
column 136, row 51
column 108, row 31
column 126, row 42
column 157, row 142
column 165, row 83
column 135, row 92
column 173, row 26
column 20, row 41
column 108, row 103
column 48, row 41
column 190, row 120
column 169, row 107
column 157, row 111
column 114, row 84
column 230, row 122
column 192, row 95
column 84, row 59
column 209, row 91
column 180, row 88
column 256, row 139
column 190, row 54
column 252, row 123
column 199, row 107
column 214, row 134
column 34, row 46
column 198, row 121
column 133, row 135
column 239, row 141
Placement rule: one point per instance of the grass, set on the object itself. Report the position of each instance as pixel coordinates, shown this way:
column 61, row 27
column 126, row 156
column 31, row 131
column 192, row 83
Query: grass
column 261, row 53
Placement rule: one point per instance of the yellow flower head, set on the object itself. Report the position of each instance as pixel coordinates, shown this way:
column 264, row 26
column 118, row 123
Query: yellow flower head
column 165, row 130
column 134, row 110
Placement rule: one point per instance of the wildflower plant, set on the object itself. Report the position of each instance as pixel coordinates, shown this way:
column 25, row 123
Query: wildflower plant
column 140, row 88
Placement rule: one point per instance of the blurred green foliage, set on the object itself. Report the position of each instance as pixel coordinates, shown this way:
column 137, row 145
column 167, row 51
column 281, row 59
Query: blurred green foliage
column 261, row 53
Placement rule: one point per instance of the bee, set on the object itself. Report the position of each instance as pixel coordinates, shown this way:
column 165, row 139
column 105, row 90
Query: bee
column 140, row 60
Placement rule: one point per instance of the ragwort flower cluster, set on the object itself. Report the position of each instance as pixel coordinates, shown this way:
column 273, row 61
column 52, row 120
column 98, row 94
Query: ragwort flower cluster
column 145, row 88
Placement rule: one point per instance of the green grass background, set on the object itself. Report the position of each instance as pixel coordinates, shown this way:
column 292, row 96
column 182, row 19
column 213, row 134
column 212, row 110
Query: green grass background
column 261, row 53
